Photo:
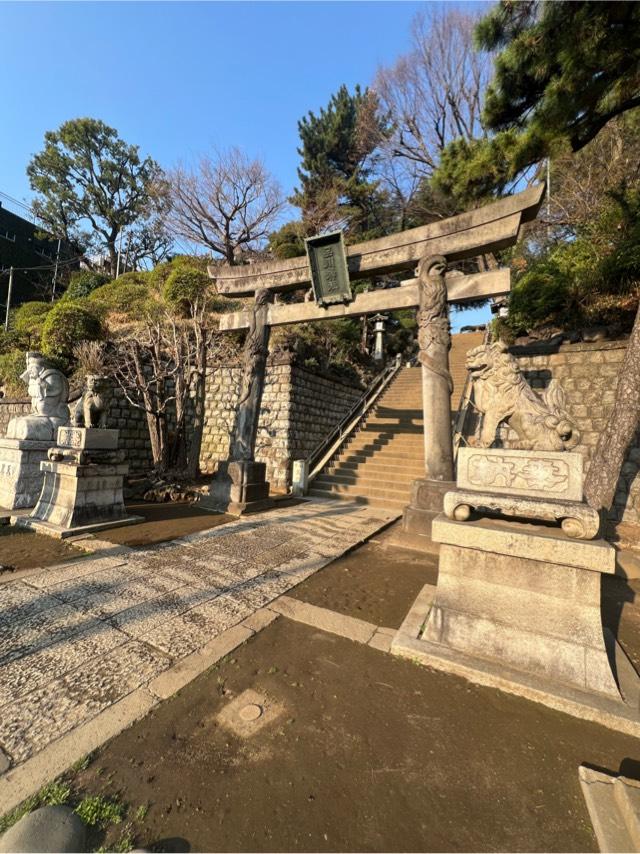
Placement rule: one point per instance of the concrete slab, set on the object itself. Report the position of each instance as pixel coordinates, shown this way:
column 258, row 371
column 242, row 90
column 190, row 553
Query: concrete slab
column 614, row 808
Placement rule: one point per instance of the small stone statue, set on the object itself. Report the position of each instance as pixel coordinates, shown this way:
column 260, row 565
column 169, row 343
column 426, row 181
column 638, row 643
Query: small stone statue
column 501, row 393
column 49, row 392
column 92, row 408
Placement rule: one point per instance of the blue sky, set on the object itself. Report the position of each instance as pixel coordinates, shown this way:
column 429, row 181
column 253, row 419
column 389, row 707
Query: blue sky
column 178, row 78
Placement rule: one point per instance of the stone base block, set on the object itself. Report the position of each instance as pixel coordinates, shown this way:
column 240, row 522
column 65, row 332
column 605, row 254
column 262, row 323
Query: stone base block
column 239, row 487
column 427, row 502
column 77, row 497
column 521, row 598
column 20, row 476
column 606, row 711
column 577, row 519
column 614, row 808
column 61, row 533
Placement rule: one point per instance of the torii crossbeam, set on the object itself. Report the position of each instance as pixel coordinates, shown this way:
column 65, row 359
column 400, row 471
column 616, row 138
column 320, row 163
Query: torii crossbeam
column 485, row 230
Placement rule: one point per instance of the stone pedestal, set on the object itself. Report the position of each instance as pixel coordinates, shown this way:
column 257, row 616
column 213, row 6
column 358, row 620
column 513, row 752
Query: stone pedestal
column 20, row 475
column 239, row 487
column 82, row 487
column 524, row 598
column 517, row 606
column 427, row 502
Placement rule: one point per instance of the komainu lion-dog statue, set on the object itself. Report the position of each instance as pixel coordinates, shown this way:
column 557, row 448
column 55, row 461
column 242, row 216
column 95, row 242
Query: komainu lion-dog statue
column 91, row 410
column 501, row 393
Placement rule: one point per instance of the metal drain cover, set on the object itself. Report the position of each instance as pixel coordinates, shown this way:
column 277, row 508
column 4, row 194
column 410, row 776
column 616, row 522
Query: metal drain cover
column 251, row 712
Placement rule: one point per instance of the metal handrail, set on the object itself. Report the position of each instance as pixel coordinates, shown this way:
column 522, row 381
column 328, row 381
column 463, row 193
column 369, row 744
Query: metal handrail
column 330, row 444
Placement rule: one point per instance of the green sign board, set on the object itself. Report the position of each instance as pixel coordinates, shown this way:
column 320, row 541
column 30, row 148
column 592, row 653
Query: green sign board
column 329, row 272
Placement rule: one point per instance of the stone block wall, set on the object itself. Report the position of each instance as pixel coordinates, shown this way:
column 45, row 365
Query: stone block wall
column 131, row 422
column 299, row 408
column 588, row 374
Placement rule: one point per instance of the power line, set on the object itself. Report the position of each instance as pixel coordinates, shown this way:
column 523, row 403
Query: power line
column 18, row 203
column 65, row 262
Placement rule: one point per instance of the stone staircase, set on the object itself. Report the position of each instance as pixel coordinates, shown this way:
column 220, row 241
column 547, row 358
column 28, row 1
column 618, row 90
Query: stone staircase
column 378, row 464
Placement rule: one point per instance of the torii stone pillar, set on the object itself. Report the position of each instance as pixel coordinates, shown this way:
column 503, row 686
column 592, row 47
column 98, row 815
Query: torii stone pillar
column 434, row 340
column 240, row 484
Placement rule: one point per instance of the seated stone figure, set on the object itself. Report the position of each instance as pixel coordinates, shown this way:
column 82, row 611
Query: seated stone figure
column 92, row 408
column 49, row 392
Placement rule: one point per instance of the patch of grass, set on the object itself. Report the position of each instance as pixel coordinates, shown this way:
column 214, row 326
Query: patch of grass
column 98, row 811
column 125, row 841
column 50, row 795
column 141, row 812
column 272, row 669
column 83, row 763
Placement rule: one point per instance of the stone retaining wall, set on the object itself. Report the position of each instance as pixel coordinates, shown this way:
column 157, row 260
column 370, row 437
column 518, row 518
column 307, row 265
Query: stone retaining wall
column 587, row 373
column 298, row 410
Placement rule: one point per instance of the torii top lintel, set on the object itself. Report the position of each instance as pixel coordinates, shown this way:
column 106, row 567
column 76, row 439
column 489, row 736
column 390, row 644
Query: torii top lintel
column 493, row 227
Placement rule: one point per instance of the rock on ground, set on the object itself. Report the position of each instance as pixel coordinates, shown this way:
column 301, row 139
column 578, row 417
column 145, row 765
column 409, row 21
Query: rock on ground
column 53, row 828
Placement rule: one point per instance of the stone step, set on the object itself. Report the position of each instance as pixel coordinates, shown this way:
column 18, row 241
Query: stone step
column 387, row 504
column 379, row 463
column 390, row 443
column 391, row 455
column 368, row 481
column 369, row 491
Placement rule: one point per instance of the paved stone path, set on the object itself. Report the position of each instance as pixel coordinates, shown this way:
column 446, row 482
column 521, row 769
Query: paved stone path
column 77, row 638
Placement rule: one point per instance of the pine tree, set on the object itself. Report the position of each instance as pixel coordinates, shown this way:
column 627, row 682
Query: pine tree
column 338, row 156
column 562, row 71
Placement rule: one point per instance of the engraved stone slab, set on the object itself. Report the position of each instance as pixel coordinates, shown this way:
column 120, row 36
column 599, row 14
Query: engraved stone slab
column 86, row 439
column 544, row 474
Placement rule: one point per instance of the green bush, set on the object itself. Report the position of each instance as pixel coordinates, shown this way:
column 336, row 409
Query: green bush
column 12, row 364
column 28, row 322
column 591, row 279
column 84, row 282
column 122, row 297
column 184, row 287
column 66, row 325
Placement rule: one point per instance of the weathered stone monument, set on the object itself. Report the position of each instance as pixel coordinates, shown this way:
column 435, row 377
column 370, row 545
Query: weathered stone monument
column 84, row 472
column 432, row 247
column 517, row 603
column 29, row 437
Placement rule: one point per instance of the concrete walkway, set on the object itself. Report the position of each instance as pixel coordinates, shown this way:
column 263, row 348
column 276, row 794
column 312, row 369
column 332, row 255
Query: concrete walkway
column 79, row 638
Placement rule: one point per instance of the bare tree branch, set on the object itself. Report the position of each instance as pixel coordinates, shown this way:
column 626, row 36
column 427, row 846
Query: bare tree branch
column 229, row 203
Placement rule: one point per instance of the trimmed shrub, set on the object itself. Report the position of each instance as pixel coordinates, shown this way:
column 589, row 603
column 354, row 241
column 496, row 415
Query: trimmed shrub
column 28, row 322
column 66, row 325
column 84, row 282
column 184, row 287
column 122, row 297
column 12, row 364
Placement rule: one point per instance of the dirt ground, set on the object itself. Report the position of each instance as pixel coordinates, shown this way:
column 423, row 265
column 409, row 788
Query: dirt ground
column 368, row 752
column 163, row 522
column 23, row 549
column 374, row 584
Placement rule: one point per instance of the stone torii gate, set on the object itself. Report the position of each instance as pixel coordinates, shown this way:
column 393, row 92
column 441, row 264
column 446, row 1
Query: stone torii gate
column 240, row 483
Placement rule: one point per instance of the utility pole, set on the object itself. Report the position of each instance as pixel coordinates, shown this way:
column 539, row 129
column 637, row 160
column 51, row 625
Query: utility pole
column 55, row 273
column 126, row 251
column 10, row 288
column 119, row 253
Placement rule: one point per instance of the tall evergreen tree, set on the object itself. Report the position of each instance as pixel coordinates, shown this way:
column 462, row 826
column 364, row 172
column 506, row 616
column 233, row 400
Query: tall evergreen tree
column 562, row 71
column 338, row 149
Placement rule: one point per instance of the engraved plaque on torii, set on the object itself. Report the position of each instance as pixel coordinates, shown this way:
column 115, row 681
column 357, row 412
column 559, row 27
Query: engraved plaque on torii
column 328, row 264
